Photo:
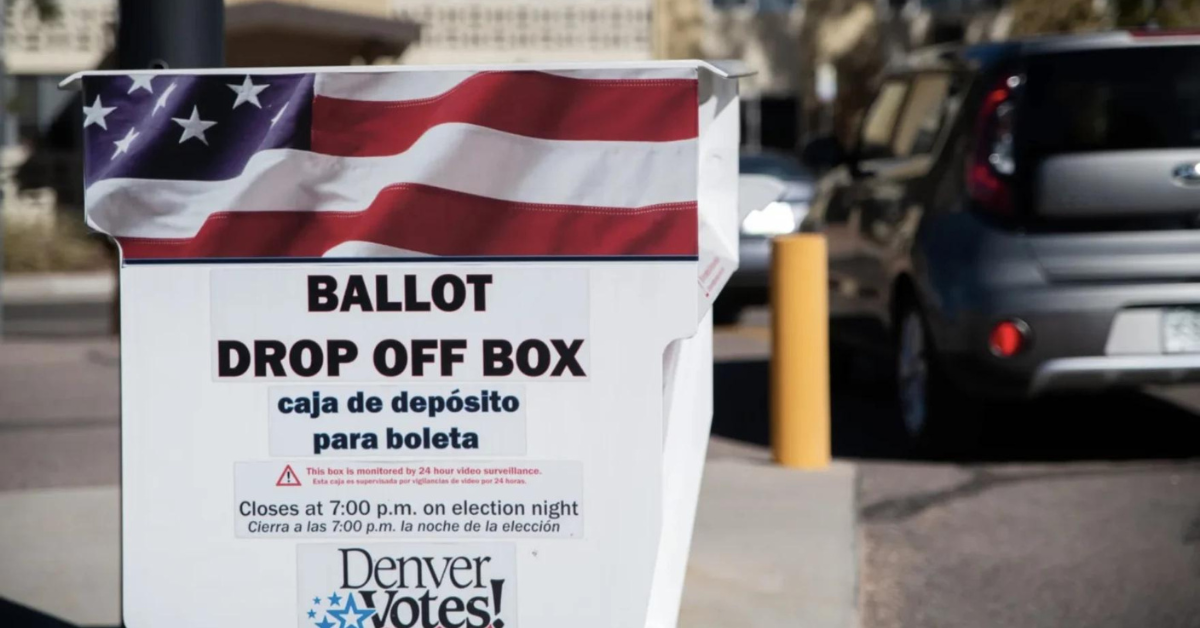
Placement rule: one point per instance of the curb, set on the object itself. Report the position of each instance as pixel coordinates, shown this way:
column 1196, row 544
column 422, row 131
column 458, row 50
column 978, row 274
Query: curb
column 57, row 288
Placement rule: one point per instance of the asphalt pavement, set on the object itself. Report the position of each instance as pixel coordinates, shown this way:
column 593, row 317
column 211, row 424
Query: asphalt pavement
column 1074, row 511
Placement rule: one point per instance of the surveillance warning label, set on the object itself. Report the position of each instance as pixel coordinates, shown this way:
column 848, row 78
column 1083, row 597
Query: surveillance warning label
column 421, row 500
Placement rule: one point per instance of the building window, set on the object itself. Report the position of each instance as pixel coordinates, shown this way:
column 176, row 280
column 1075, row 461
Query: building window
column 760, row 6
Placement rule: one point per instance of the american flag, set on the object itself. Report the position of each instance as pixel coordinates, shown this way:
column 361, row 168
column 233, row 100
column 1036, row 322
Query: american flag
column 346, row 164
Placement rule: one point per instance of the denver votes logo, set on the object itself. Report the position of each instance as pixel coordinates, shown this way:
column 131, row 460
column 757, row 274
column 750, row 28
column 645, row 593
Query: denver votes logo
column 404, row 585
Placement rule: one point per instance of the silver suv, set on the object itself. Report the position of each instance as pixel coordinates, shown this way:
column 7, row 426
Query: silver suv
column 1026, row 217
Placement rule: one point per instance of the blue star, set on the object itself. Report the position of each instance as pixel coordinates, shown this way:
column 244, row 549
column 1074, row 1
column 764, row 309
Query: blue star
column 325, row 623
column 351, row 608
column 316, row 601
column 312, row 614
column 335, row 599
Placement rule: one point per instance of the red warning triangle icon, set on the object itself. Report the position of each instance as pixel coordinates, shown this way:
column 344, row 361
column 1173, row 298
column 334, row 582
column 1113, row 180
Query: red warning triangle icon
column 288, row 477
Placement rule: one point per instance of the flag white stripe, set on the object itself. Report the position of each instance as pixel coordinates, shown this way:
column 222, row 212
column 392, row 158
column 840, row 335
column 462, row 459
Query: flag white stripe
column 398, row 86
column 388, row 87
column 459, row 157
column 359, row 248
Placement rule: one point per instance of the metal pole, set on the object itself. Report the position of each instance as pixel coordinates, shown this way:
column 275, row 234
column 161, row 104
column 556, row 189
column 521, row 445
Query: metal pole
column 754, row 123
column 171, row 33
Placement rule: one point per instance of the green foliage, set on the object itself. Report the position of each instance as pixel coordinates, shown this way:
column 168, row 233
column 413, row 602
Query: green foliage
column 1163, row 13
column 1036, row 17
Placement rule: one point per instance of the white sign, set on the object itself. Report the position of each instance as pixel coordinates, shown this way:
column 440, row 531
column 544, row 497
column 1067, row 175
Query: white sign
column 565, row 466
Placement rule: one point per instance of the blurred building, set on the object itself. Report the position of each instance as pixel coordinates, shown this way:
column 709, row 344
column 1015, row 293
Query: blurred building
column 789, row 42
column 765, row 34
column 528, row 31
column 37, row 55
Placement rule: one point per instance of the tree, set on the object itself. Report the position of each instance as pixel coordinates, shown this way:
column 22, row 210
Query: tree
column 1037, row 17
column 1163, row 13
column 850, row 36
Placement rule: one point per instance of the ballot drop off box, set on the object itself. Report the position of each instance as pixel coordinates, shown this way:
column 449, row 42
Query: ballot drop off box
column 413, row 346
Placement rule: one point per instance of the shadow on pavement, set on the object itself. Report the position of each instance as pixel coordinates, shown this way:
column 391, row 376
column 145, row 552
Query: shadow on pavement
column 57, row 320
column 16, row 615
column 1124, row 425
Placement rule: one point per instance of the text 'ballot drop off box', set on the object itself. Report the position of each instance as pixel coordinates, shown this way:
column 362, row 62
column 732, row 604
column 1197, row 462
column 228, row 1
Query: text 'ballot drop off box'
column 413, row 346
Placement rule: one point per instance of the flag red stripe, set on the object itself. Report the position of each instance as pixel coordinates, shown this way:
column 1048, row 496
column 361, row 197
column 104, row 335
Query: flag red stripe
column 533, row 104
column 438, row 222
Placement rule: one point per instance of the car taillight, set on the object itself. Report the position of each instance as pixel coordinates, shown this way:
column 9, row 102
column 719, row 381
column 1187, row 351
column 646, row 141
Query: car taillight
column 1008, row 338
column 992, row 162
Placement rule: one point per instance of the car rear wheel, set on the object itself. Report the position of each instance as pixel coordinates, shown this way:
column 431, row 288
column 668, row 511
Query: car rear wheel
column 937, row 420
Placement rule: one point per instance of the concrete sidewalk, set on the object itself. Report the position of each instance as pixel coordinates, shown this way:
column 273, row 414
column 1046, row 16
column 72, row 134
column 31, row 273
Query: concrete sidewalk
column 772, row 547
column 61, row 551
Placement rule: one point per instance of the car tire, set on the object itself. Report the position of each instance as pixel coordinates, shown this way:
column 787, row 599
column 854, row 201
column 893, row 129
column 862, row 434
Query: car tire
column 936, row 418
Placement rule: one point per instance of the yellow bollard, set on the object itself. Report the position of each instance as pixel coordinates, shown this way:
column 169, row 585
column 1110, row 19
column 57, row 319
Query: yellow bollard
column 800, row 351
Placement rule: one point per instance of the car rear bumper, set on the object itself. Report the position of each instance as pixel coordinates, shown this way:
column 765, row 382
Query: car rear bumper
column 1089, row 373
column 1082, row 337
column 1092, row 323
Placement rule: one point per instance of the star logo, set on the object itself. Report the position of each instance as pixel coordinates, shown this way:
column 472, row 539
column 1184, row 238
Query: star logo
column 351, row 615
column 335, row 599
column 96, row 114
column 123, row 143
column 325, row 623
column 247, row 92
column 194, row 127
column 141, row 81
column 316, row 601
column 311, row 613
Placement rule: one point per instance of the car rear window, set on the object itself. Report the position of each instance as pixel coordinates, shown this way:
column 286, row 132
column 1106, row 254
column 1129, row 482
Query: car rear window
column 1105, row 100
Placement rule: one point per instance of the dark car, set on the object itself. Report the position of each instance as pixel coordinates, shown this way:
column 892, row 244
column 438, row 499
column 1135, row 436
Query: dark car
column 749, row 285
column 1026, row 217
